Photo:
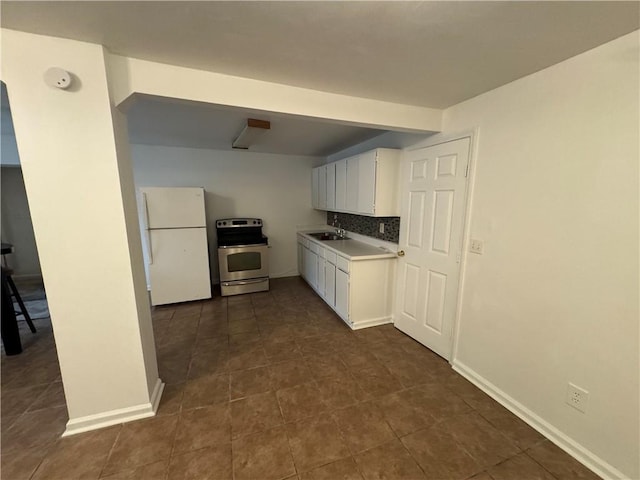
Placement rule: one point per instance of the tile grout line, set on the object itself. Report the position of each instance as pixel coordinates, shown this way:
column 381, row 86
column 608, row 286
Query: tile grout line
column 536, row 461
column 293, row 460
column 113, row 446
column 233, row 467
column 35, row 470
column 344, row 439
column 286, row 430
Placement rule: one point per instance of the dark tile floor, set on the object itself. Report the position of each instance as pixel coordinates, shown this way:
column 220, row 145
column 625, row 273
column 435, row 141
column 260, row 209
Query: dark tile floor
column 274, row 386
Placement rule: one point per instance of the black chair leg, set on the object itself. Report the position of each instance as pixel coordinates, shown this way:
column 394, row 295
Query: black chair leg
column 14, row 290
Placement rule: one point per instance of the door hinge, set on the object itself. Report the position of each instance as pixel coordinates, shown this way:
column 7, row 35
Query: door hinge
column 458, row 257
column 466, row 172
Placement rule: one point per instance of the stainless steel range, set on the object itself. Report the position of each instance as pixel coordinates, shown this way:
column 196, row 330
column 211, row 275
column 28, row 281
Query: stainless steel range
column 242, row 255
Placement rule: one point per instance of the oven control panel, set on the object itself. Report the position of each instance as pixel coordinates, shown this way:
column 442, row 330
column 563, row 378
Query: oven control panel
column 238, row 222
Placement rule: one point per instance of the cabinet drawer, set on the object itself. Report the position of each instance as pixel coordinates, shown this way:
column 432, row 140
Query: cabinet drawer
column 314, row 247
column 343, row 264
column 331, row 257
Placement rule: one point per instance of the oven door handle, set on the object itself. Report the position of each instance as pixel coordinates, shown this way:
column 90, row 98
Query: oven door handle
column 244, row 282
column 245, row 246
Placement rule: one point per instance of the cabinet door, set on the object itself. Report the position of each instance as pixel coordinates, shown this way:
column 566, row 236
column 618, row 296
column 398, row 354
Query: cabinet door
column 301, row 259
column 311, row 267
column 342, row 294
column 315, row 174
column 322, row 187
column 321, row 287
column 330, row 283
column 331, row 186
column 341, row 185
column 367, row 183
column 352, row 184
column 307, row 264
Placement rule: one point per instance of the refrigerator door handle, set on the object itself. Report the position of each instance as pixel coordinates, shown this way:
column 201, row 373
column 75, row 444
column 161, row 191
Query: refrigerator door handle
column 150, row 247
column 145, row 210
column 146, row 226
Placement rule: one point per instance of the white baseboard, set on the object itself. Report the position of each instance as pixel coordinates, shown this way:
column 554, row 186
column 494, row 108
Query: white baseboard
column 573, row 448
column 114, row 417
column 374, row 322
column 156, row 395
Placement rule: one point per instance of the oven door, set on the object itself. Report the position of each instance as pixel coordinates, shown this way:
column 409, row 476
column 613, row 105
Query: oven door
column 243, row 262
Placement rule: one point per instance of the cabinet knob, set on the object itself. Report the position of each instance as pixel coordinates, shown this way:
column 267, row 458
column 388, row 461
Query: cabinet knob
column 401, row 253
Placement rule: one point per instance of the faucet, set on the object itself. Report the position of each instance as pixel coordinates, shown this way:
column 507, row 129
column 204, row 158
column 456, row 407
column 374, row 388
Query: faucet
column 341, row 232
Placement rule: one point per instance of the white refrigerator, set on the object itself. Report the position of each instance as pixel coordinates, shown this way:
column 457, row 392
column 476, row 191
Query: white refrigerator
column 176, row 237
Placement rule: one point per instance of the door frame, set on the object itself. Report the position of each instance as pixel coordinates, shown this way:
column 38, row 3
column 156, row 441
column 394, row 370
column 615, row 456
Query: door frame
column 438, row 139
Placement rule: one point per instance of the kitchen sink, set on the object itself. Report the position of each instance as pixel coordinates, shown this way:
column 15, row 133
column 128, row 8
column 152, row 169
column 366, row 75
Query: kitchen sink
column 326, row 236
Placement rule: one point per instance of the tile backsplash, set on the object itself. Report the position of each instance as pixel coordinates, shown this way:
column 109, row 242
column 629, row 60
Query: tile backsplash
column 369, row 226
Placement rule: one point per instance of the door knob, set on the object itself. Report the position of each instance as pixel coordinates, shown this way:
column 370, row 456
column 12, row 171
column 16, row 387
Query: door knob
column 401, row 253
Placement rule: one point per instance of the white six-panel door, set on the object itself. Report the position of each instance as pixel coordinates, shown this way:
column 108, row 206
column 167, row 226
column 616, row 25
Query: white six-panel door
column 433, row 207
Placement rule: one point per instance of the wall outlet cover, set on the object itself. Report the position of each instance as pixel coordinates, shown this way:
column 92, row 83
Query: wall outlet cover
column 577, row 397
column 476, row 246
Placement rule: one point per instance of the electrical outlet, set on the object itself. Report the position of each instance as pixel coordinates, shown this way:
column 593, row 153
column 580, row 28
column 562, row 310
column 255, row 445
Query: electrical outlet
column 381, row 227
column 577, row 397
column 476, row 246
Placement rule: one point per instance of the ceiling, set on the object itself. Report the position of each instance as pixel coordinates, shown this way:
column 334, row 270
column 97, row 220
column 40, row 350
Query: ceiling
column 432, row 54
column 161, row 121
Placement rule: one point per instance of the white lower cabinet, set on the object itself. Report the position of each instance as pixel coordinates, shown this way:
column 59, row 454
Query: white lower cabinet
column 342, row 294
column 300, row 257
column 330, row 283
column 311, row 267
column 359, row 291
column 321, row 284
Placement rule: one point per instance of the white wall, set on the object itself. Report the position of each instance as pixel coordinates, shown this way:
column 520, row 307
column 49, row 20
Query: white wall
column 276, row 188
column 82, row 204
column 17, row 228
column 554, row 298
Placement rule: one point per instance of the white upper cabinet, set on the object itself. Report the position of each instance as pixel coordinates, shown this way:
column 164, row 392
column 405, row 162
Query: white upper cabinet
column 341, row 185
column 319, row 188
column 367, row 182
column 378, row 174
column 364, row 184
column 352, row 184
column 387, row 176
column 315, row 176
column 331, row 186
column 322, row 187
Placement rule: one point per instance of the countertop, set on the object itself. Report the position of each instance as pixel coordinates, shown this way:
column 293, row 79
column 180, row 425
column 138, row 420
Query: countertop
column 352, row 249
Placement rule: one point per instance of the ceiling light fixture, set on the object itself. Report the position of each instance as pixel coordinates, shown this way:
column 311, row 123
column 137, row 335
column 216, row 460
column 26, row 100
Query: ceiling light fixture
column 251, row 132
